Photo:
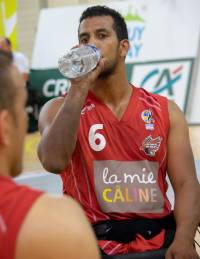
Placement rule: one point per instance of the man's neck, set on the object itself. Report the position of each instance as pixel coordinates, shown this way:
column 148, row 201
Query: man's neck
column 4, row 169
column 113, row 89
column 115, row 92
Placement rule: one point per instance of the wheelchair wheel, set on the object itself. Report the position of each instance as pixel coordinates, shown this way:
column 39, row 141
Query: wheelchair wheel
column 197, row 240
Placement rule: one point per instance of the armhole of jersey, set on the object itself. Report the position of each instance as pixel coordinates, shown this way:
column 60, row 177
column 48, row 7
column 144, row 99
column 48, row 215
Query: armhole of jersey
column 24, row 204
column 167, row 121
column 164, row 102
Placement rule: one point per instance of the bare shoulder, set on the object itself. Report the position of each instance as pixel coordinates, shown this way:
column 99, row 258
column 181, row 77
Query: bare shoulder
column 173, row 108
column 176, row 116
column 49, row 111
column 180, row 160
column 56, row 227
column 179, row 130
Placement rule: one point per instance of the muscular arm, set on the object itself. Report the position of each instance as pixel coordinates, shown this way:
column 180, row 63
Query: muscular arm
column 56, row 228
column 181, row 171
column 59, row 122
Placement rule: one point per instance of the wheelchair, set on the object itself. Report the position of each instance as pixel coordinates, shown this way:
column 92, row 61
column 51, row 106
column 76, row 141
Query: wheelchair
column 197, row 240
column 154, row 254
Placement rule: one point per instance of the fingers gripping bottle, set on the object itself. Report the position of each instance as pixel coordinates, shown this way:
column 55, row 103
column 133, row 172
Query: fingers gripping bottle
column 79, row 61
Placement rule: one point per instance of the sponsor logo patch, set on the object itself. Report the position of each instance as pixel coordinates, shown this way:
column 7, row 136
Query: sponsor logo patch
column 87, row 108
column 128, row 186
column 147, row 117
column 151, row 145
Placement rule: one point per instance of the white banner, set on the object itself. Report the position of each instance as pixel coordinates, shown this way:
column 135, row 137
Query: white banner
column 163, row 35
column 157, row 30
column 170, row 78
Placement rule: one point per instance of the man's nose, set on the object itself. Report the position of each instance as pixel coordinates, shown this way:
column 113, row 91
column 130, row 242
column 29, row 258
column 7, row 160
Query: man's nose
column 93, row 41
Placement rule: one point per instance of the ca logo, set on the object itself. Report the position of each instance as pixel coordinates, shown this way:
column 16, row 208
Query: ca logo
column 164, row 79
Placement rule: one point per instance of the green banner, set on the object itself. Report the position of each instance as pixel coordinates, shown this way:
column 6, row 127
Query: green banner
column 48, row 83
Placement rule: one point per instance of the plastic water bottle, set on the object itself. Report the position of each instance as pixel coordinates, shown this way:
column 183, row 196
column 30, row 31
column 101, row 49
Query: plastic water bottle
column 79, row 61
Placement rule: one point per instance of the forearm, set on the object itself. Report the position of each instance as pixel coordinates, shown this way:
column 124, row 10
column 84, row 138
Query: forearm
column 59, row 123
column 59, row 139
column 187, row 210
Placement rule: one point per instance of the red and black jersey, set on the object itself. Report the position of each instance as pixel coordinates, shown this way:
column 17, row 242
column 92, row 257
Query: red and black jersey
column 118, row 168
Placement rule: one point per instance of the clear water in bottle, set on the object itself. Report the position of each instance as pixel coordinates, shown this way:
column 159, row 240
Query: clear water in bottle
column 79, row 61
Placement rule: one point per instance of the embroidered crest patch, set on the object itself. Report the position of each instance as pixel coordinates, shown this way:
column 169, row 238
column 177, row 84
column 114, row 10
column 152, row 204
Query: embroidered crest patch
column 151, row 145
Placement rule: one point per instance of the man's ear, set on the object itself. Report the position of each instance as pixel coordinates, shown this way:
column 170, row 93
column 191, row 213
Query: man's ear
column 124, row 47
column 6, row 125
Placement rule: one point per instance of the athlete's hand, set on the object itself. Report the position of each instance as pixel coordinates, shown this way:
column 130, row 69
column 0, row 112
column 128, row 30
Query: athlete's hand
column 181, row 249
column 87, row 81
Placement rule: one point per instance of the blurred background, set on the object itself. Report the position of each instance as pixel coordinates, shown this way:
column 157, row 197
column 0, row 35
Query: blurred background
column 163, row 58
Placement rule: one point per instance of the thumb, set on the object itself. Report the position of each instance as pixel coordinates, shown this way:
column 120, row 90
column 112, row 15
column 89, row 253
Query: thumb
column 100, row 65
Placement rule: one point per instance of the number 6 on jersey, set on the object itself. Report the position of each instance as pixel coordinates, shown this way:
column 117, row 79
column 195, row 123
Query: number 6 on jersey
column 97, row 141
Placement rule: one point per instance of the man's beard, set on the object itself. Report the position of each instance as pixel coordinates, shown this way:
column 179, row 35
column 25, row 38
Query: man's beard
column 109, row 70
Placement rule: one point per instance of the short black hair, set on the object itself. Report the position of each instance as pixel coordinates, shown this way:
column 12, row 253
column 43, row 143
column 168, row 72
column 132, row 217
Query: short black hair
column 119, row 24
column 7, row 90
column 8, row 41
